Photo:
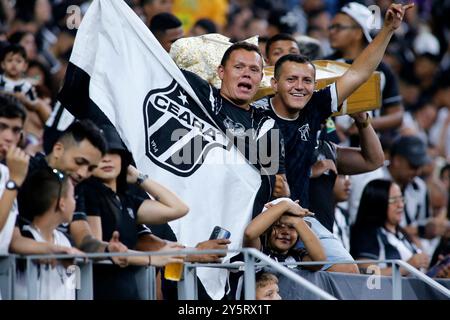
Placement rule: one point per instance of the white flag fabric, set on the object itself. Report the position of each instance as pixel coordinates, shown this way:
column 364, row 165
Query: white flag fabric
column 134, row 82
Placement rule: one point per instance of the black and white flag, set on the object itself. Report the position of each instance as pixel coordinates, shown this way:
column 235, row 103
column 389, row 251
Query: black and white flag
column 118, row 67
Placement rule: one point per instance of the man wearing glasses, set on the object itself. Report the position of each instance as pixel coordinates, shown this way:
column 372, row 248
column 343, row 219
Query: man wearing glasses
column 349, row 34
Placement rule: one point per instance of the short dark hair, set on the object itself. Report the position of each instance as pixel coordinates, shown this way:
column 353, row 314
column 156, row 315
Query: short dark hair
column 279, row 18
column 278, row 37
column 310, row 47
column 14, row 49
column 206, row 24
column 41, row 189
column 85, row 129
column 164, row 21
column 297, row 58
column 11, row 108
column 17, row 36
column 242, row 45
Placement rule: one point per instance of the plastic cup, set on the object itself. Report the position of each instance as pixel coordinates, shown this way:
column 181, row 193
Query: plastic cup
column 173, row 271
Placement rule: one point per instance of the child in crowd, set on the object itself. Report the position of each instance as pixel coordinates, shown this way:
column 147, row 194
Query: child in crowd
column 267, row 287
column 281, row 224
column 50, row 203
column 377, row 234
column 14, row 65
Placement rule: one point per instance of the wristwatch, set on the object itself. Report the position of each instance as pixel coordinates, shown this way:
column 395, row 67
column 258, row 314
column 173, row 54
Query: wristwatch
column 11, row 185
column 141, row 178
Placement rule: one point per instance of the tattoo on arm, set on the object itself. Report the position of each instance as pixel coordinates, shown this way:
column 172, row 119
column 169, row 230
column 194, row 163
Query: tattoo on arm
column 90, row 244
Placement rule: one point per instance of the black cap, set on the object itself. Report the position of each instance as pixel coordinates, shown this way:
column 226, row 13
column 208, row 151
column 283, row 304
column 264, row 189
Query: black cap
column 285, row 21
column 115, row 143
column 413, row 149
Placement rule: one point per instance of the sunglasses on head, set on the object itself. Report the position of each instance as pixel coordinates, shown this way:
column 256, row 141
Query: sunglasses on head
column 60, row 176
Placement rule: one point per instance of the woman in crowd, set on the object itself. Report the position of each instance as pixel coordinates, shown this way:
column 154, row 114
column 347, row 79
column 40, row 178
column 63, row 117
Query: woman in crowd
column 377, row 235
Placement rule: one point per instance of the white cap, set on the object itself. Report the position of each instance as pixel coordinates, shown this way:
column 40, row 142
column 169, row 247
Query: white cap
column 425, row 42
column 362, row 15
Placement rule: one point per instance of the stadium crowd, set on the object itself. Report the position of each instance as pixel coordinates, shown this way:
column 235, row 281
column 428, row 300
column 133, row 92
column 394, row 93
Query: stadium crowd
column 369, row 186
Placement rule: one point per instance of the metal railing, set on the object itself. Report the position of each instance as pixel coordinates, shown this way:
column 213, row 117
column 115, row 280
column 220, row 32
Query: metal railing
column 187, row 287
column 189, row 291
column 148, row 274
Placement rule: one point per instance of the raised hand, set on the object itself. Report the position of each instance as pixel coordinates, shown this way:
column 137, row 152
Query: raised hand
column 17, row 162
column 296, row 210
column 132, row 174
column 395, row 13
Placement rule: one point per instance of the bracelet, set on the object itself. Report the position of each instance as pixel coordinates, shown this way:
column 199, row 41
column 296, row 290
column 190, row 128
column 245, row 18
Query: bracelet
column 141, row 178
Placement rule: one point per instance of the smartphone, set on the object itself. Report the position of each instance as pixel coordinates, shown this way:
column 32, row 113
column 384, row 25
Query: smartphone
column 439, row 266
column 220, row 233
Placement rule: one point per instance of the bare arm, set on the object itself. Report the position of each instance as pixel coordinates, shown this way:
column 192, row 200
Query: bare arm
column 158, row 261
column 281, row 187
column 95, row 224
column 149, row 242
column 262, row 222
column 383, row 271
column 419, row 260
column 17, row 162
column 42, row 108
column 216, row 244
column 84, row 238
column 366, row 63
column 367, row 158
column 166, row 206
column 6, row 204
column 311, row 242
column 391, row 120
column 23, row 245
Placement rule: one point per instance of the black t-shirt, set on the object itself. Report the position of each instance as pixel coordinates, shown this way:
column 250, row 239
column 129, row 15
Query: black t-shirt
column 253, row 132
column 251, row 126
column 300, row 138
column 36, row 163
column 117, row 211
column 321, row 200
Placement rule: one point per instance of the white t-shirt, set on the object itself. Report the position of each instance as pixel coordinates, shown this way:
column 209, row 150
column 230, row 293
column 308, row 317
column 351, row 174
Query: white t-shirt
column 53, row 282
column 438, row 126
column 7, row 231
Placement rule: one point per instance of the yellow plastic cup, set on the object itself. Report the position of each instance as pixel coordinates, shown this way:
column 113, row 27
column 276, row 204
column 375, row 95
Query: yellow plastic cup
column 173, row 271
